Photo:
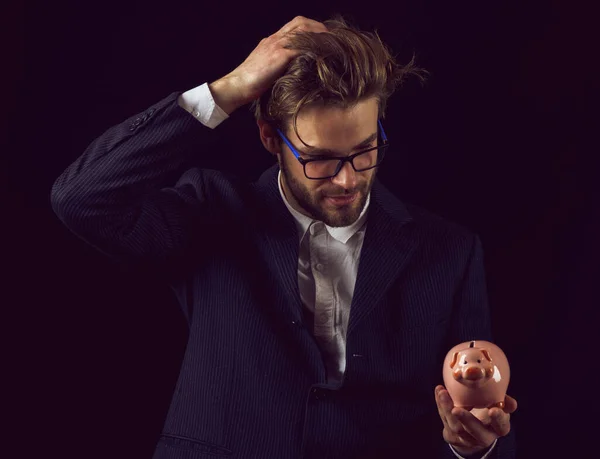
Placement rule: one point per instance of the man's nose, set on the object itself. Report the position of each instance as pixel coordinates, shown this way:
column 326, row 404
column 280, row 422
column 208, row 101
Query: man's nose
column 347, row 177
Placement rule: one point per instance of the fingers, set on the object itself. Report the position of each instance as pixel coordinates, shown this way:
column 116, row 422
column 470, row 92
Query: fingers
column 441, row 411
column 473, row 426
column 445, row 406
column 500, row 419
column 483, row 414
column 465, row 439
column 454, row 432
column 510, row 404
column 449, row 434
column 302, row 23
column 500, row 422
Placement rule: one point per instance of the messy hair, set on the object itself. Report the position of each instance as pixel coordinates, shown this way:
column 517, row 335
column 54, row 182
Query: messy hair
column 339, row 68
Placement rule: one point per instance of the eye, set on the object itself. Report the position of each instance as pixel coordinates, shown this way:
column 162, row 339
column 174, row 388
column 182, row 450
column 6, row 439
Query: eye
column 465, row 362
column 478, row 361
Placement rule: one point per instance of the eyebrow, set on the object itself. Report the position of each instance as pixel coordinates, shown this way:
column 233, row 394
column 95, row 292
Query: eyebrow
column 327, row 152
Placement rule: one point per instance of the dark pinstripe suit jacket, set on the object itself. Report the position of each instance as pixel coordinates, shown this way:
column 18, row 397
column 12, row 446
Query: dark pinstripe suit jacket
column 252, row 382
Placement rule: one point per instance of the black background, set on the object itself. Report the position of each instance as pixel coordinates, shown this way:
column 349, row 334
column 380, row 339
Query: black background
column 500, row 139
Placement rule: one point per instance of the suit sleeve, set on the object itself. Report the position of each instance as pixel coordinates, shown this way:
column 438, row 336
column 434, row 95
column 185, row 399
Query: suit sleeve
column 129, row 195
column 471, row 321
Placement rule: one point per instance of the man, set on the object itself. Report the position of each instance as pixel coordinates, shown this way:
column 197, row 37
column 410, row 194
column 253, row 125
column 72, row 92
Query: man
column 320, row 307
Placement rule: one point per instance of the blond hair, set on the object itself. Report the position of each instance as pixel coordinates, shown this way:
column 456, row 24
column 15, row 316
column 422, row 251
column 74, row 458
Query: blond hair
column 335, row 69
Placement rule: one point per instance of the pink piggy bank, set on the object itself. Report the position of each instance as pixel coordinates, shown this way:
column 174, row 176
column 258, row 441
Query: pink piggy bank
column 476, row 375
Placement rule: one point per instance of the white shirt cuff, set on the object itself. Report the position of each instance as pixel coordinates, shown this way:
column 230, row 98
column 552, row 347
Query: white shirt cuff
column 200, row 103
column 482, row 457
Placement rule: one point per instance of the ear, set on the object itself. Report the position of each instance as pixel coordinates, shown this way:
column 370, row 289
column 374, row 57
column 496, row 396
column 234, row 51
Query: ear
column 454, row 360
column 269, row 137
column 486, row 354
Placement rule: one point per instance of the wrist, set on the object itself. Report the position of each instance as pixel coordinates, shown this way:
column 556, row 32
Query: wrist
column 225, row 94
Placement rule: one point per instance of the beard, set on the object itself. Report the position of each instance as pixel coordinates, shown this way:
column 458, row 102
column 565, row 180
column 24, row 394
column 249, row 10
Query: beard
column 314, row 204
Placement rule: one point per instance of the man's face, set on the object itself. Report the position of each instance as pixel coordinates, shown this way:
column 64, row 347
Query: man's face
column 342, row 132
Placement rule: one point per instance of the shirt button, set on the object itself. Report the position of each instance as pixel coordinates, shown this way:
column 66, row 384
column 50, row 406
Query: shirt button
column 319, row 267
column 196, row 113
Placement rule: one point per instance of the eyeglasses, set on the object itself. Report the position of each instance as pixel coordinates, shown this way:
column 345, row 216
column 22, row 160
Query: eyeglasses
column 325, row 167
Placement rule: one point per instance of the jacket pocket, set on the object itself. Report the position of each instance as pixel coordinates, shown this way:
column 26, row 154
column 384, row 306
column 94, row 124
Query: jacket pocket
column 172, row 446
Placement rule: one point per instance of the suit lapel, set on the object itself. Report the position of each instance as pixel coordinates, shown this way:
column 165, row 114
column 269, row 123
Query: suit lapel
column 387, row 248
column 279, row 243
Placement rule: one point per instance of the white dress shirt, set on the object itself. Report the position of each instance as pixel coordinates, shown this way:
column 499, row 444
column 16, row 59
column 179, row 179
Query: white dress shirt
column 327, row 263
column 327, row 269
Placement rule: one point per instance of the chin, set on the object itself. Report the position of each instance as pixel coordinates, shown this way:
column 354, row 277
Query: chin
column 342, row 217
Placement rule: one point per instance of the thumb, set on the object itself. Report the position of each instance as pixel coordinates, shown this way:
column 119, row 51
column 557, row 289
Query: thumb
column 510, row 404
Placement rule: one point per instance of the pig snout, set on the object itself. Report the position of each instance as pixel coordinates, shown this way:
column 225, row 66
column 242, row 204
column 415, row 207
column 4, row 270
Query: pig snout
column 474, row 373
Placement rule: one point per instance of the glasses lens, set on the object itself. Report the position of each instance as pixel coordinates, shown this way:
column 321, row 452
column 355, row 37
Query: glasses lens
column 321, row 168
column 327, row 167
column 366, row 160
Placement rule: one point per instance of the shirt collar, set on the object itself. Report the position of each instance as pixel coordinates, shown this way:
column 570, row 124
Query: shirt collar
column 342, row 234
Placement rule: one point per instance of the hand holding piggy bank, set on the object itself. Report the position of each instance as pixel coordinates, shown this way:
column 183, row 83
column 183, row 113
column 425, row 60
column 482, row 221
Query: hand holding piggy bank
column 476, row 375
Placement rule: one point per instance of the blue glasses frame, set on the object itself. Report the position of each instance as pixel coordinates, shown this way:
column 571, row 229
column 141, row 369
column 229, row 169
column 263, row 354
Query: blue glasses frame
column 341, row 160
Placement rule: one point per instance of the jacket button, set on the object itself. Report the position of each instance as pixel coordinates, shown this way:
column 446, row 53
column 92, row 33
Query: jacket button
column 137, row 122
column 318, row 394
column 151, row 111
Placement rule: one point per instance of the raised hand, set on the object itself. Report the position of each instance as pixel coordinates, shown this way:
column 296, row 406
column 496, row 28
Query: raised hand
column 262, row 67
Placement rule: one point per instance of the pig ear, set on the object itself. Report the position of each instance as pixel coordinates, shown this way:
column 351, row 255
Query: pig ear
column 486, row 354
column 454, row 359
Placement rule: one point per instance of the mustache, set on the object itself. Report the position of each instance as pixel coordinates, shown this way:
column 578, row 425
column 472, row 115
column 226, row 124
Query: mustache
column 341, row 193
